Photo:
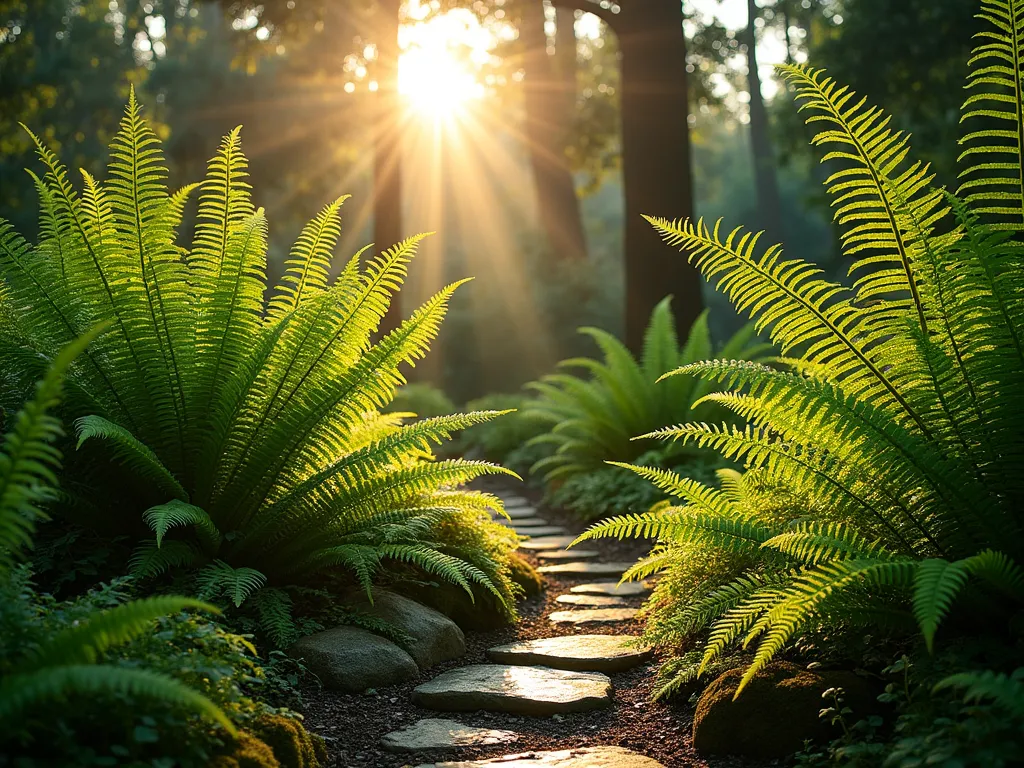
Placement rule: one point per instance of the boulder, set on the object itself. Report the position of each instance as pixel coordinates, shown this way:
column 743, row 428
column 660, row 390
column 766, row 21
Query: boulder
column 775, row 714
column 352, row 659
column 435, row 637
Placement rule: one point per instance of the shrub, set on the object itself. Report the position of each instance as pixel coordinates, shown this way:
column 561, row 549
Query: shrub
column 243, row 433
column 591, row 420
column 899, row 425
column 506, row 440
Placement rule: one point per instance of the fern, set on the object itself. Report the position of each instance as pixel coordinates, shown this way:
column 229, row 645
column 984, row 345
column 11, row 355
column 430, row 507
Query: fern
column 896, row 428
column 250, row 428
column 596, row 415
column 68, row 662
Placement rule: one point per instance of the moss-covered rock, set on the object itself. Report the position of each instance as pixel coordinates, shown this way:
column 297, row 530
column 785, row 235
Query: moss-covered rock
column 775, row 714
column 292, row 744
column 525, row 575
column 247, row 752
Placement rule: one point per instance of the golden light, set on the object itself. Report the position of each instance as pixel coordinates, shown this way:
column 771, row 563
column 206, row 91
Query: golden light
column 438, row 70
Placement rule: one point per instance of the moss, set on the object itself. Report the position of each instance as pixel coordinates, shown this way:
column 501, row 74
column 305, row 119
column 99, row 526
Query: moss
column 775, row 714
column 525, row 575
column 292, row 744
column 247, row 752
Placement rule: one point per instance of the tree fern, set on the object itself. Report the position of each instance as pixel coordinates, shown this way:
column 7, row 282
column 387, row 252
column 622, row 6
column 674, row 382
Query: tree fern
column 248, row 428
column 896, row 430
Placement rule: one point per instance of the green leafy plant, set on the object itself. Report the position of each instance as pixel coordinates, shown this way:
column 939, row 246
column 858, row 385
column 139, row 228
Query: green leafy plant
column 68, row 661
column 506, row 440
column 899, row 424
column 243, row 433
column 594, row 419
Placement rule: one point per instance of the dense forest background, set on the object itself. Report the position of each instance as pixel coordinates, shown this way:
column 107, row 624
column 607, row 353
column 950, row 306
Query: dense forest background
column 300, row 77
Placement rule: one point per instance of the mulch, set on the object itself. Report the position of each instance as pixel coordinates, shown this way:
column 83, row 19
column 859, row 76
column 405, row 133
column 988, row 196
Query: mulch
column 353, row 724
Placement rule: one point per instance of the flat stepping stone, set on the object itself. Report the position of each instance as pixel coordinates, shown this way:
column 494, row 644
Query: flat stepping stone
column 547, row 542
column 526, row 522
column 518, row 690
column 517, row 513
column 435, row 733
column 576, row 554
column 625, row 589
column 588, row 569
column 583, row 757
column 594, row 601
column 542, row 530
column 592, row 653
column 514, row 501
column 593, row 616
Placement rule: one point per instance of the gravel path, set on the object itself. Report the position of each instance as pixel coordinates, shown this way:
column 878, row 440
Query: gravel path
column 354, row 724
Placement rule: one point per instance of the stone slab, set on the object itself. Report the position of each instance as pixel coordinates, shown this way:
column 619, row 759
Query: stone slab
column 525, row 522
column 514, row 501
column 547, row 542
column 517, row 513
column 591, row 653
column 543, row 530
column 520, row 690
column 575, row 554
column 590, row 601
column 587, row 569
column 625, row 589
column 583, row 757
column 593, row 616
column 435, row 733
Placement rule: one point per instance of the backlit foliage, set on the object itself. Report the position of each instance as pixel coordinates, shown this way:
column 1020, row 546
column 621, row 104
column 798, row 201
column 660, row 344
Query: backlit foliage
column 240, row 426
column 899, row 422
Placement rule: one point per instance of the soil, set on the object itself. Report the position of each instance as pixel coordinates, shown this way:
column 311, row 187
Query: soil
column 354, row 724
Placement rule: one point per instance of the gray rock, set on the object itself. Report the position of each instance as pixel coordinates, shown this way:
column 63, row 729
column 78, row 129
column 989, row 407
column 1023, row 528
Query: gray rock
column 524, row 522
column 625, row 589
column 583, row 757
column 576, row 554
column 588, row 569
column 541, row 530
column 547, row 542
column 517, row 513
column 514, row 501
column 432, row 733
column 593, row 653
column 593, row 616
column 519, row 690
column 436, row 638
column 351, row 659
column 592, row 601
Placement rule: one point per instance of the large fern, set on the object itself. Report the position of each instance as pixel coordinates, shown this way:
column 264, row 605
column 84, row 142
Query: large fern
column 243, row 432
column 593, row 416
column 68, row 662
column 899, row 425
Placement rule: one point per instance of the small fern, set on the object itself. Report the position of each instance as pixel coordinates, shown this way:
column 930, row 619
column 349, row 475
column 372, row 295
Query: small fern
column 595, row 416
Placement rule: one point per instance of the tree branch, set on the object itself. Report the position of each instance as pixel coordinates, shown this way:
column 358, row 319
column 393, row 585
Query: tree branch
column 587, row 6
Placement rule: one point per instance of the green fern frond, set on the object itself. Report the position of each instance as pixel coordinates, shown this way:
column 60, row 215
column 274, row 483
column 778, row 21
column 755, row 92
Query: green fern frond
column 1003, row 690
column 219, row 578
column 131, row 452
column 163, row 517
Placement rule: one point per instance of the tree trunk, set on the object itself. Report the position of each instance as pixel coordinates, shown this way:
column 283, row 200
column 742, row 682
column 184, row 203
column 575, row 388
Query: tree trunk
column 769, row 207
column 547, row 130
column 387, row 162
column 656, row 162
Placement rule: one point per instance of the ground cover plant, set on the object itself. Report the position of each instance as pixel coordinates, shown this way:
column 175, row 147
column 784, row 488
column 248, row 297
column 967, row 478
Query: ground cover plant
column 142, row 679
column 237, row 438
column 897, row 424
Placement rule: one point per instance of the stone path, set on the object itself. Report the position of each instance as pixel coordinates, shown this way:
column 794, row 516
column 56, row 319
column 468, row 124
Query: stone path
column 546, row 677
